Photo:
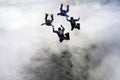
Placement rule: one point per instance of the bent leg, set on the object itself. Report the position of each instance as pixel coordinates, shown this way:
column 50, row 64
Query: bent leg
column 78, row 26
column 67, row 37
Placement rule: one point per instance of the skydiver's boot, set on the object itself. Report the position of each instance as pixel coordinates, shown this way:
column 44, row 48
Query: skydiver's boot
column 46, row 15
column 52, row 17
column 67, row 36
column 78, row 26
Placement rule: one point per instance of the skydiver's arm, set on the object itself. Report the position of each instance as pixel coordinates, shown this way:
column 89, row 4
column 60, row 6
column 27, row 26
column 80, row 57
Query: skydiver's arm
column 67, row 19
column 77, row 19
column 42, row 24
column 52, row 26
column 67, row 8
column 52, row 17
column 46, row 15
column 61, row 7
column 54, row 30
column 62, row 27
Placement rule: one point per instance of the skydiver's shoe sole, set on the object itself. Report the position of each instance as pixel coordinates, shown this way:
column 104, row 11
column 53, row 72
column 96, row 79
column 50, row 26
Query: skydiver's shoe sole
column 67, row 36
column 78, row 25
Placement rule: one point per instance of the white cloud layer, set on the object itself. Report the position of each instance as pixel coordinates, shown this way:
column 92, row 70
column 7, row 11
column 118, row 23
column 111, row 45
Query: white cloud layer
column 21, row 35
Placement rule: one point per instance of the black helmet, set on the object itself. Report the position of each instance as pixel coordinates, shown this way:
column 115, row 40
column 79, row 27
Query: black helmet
column 59, row 28
column 71, row 18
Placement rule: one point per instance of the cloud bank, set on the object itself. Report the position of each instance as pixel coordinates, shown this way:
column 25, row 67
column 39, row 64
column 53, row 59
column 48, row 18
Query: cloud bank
column 22, row 38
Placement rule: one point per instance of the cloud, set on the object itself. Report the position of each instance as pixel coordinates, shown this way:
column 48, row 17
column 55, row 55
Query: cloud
column 22, row 37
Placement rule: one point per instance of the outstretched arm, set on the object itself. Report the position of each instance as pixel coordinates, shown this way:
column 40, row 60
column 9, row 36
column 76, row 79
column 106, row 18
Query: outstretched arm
column 54, row 29
column 77, row 19
column 61, row 7
column 46, row 15
column 42, row 24
column 52, row 17
column 67, row 8
column 67, row 19
column 62, row 27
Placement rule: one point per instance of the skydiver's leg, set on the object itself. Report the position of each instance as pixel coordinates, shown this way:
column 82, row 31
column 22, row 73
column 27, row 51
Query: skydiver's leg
column 67, row 8
column 72, row 27
column 61, row 7
column 61, row 40
column 67, row 37
column 77, row 26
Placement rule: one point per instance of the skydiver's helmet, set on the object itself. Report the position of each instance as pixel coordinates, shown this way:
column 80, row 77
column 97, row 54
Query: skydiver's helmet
column 59, row 29
column 71, row 18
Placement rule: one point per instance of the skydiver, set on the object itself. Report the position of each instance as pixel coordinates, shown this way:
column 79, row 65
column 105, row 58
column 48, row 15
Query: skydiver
column 73, row 23
column 63, row 12
column 60, row 33
column 48, row 22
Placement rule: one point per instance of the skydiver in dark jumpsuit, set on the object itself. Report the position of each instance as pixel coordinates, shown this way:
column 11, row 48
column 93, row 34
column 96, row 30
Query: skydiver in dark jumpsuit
column 60, row 33
column 48, row 22
column 73, row 23
column 63, row 12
